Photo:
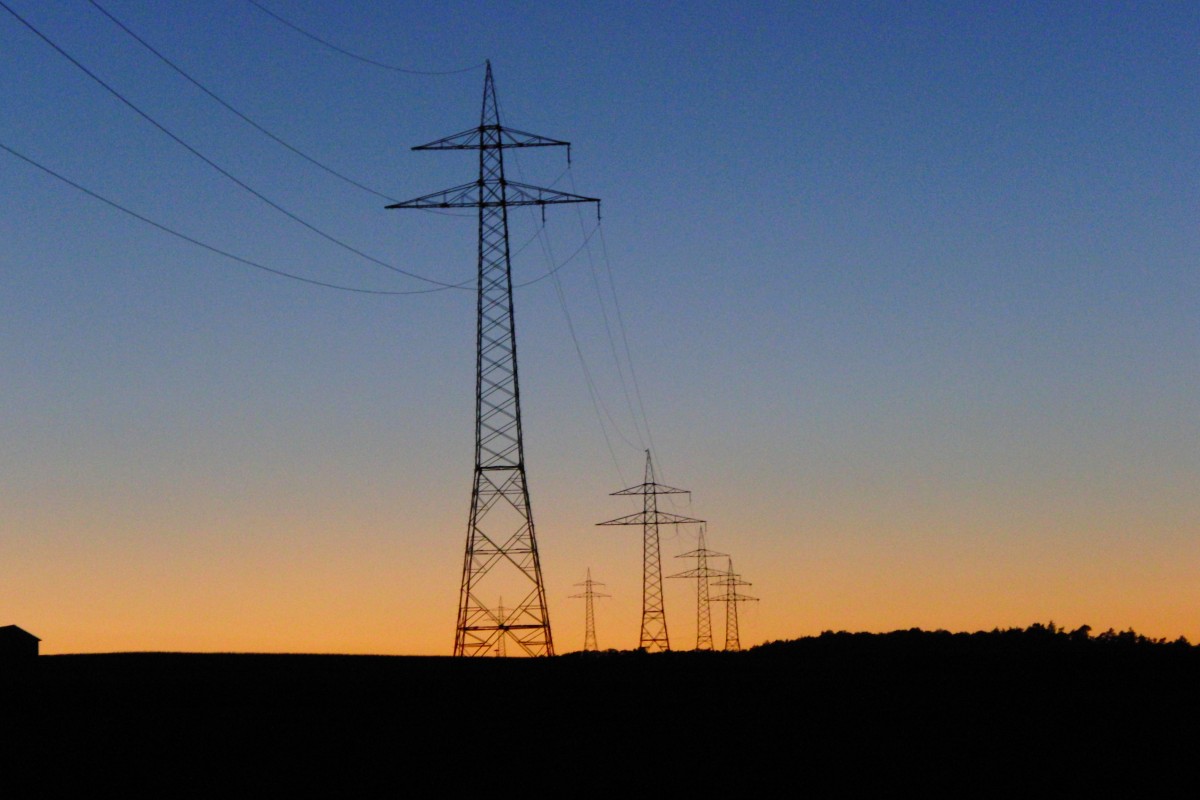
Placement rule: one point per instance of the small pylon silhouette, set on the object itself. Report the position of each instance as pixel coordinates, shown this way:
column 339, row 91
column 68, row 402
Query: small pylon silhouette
column 589, row 593
column 501, row 617
column 654, row 616
column 730, row 580
column 703, row 574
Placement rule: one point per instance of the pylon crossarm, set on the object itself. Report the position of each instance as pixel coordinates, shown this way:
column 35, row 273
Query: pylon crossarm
column 514, row 138
column 707, row 554
column 653, row 518
column 465, row 196
column 475, row 139
column 523, row 194
column 516, row 194
column 695, row 573
column 501, row 625
column 650, row 488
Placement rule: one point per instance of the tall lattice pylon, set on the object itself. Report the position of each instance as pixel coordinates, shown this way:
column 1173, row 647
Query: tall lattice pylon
column 730, row 581
column 589, row 594
column 654, row 616
column 703, row 574
column 501, row 552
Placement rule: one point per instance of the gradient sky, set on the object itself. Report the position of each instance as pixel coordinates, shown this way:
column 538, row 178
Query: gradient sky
column 910, row 290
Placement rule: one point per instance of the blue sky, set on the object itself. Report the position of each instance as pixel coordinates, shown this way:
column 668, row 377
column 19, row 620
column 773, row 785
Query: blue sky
column 910, row 292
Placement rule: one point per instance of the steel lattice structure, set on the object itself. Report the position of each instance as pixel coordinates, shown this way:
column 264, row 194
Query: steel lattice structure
column 654, row 617
column 702, row 573
column 589, row 594
column 501, row 550
column 730, row 580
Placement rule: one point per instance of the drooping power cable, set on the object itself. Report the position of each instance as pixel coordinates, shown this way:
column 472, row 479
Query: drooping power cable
column 237, row 113
column 197, row 242
column 356, row 56
column 220, row 169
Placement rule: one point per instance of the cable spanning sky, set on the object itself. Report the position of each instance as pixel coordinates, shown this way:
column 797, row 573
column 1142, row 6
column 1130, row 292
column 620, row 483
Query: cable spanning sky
column 910, row 294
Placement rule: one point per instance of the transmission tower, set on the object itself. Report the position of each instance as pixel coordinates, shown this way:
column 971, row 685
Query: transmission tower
column 730, row 581
column 654, row 617
column 502, row 621
column 501, row 547
column 589, row 594
column 703, row 573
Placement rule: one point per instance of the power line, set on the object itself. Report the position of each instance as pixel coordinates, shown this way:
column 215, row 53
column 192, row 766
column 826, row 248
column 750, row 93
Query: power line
column 198, row 243
column 598, row 405
column 226, row 254
column 552, row 271
column 645, row 422
column 220, row 169
column 233, row 110
column 597, row 401
column 625, row 339
column 356, row 56
column 609, row 335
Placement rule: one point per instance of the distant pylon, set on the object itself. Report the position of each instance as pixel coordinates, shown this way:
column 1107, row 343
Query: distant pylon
column 502, row 621
column 703, row 573
column 654, row 617
column 501, row 547
column 589, row 594
column 730, row 581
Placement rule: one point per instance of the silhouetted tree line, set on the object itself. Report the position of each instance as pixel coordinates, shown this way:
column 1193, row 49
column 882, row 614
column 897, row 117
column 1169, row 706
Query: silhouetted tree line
column 1037, row 637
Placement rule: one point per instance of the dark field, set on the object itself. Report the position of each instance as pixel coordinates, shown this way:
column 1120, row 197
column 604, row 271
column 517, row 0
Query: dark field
column 838, row 713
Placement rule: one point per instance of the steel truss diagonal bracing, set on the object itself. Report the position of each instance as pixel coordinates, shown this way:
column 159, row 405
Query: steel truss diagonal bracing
column 501, row 554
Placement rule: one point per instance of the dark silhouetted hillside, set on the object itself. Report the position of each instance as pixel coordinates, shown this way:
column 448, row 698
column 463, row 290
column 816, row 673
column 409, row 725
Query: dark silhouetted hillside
column 839, row 710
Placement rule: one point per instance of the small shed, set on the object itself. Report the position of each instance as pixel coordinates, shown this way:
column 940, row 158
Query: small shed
column 17, row 642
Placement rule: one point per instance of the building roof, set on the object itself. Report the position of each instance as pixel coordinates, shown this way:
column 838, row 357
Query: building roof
column 9, row 631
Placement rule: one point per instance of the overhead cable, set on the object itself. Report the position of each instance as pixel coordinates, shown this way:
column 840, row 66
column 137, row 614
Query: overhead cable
column 234, row 111
column 554, row 270
column 223, row 171
column 637, row 389
column 612, row 343
column 197, row 242
column 598, row 405
column 356, row 56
